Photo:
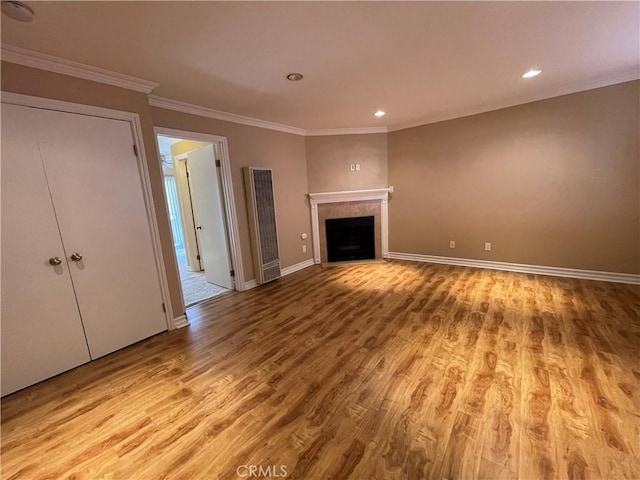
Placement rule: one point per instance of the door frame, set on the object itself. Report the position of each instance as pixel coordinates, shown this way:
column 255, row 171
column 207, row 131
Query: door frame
column 141, row 159
column 227, row 193
column 186, row 209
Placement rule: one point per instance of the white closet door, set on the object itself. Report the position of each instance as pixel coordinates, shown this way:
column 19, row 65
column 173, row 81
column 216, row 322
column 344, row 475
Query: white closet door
column 41, row 329
column 97, row 191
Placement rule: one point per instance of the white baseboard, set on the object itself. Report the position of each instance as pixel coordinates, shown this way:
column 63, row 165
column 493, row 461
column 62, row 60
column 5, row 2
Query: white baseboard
column 631, row 278
column 250, row 284
column 297, row 267
column 180, row 321
column 283, row 273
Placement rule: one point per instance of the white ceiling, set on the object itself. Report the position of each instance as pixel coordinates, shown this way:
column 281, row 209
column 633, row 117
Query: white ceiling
column 420, row 61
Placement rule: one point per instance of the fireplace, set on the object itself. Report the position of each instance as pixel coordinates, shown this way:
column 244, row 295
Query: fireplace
column 349, row 205
column 350, row 239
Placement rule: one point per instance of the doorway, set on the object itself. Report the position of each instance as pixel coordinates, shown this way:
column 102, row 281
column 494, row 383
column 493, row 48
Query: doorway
column 195, row 196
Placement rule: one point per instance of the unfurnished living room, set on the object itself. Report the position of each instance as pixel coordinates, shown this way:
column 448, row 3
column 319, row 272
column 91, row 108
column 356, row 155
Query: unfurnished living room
column 414, row 229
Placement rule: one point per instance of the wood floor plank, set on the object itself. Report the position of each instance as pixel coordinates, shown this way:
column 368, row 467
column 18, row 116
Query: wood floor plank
column 396, row 370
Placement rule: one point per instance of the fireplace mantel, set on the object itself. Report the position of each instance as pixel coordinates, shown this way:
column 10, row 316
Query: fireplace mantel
column 375, row 194
column 351, row 195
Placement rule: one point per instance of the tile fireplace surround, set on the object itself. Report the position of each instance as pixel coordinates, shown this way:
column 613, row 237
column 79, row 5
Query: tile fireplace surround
column 353, row 203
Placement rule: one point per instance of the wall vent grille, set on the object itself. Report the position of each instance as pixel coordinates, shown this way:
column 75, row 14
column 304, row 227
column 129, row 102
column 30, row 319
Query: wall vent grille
column 262, row 221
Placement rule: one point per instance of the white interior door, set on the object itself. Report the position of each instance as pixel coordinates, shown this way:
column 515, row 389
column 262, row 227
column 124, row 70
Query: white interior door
column 42, row 333
column 208, row 211
column 97, row 191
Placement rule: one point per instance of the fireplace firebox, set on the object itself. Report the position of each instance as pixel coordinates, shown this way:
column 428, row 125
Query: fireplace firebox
column 350, row 239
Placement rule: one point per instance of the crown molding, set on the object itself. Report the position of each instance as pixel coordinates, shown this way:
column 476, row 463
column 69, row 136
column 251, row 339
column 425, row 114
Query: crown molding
column 178, row 106
column 50, row 63
column 621, row 76
column 54, row 64
column 41, row 61
column 346, row 131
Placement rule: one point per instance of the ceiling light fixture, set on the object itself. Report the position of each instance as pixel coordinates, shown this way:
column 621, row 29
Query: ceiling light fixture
column 534, row 72
column 18, row 11
column 380, row 113
column 295, row 77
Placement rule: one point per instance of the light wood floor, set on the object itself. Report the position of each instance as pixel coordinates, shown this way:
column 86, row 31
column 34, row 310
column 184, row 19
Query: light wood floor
column 385, row 371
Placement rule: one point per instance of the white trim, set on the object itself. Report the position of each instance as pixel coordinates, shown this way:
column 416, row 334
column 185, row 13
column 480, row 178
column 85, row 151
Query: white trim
column 29, row 58
column 566, row 89
column 250, row 284
column 151, row 213
column 345, row 131
column 297, row 267
column 136, row 129
column 175, row 258
column 350, row 195
column 192, row 109
column 227, row 189
column 61, row 106
column 631, row 278
column 181, row 321
column 284, row 272
column 381, row 194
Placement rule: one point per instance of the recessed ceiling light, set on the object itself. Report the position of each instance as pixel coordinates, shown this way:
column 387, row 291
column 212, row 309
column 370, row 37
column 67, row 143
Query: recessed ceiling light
column 294, row 77
column 18, row 11
column 534, row 72
column 380, row 113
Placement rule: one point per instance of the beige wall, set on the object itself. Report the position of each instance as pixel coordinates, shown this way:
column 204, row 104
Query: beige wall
column 248, row 146
column 39, row 83
column 554, row 182
column 258, row 147
column 328, row 160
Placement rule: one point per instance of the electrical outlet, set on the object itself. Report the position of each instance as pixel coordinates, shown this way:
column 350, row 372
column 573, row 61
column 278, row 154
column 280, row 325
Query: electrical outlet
column 452, row 244
column 357, row 167
column 352, row 167
column 304, row 249
column 303, row 236
column 487, row 246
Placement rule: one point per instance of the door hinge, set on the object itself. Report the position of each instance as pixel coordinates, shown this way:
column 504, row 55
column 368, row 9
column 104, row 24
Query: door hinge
column 197, row 257
column 232, row 273
column 164, row 309
column 217, row 163
column 135, row 150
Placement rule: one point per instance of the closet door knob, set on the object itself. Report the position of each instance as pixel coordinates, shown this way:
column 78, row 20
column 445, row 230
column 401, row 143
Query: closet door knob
column 76, row 257
column 55, row 261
